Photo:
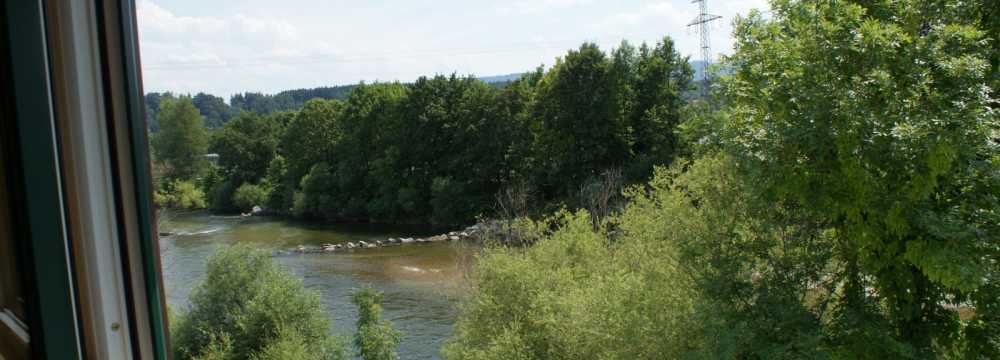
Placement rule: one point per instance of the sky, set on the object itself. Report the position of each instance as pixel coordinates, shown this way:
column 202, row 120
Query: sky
column 227, row 47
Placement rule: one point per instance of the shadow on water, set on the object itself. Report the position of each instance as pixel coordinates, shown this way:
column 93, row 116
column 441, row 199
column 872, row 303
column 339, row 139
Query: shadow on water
column 422, row 283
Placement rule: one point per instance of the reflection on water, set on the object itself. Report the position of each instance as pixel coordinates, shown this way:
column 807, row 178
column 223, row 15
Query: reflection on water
column 421, row 282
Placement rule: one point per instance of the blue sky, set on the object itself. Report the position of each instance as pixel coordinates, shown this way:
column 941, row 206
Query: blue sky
column 225, row 47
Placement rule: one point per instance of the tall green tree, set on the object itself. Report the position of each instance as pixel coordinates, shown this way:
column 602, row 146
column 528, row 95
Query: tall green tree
column 580, row 130
column 152, row 102
column 181, row 142
column 311, row 136
column 365, row 153
column 874, row 118
column 246, row 145
column 213, row 108
column 661, row 78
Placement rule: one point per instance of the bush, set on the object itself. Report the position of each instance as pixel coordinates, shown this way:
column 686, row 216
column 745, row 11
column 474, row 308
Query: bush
column 180, row 194
column 668, row 277
column 249, row 308
column 249, row 195
column 375, row 339
column 577, row 295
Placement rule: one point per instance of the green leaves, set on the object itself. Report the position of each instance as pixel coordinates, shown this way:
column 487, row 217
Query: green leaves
column 181, row 142
column 375, row 339
column 247, row 307
column 869, row 117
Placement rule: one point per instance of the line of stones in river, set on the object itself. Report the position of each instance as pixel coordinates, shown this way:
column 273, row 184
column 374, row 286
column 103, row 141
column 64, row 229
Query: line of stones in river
column 473, row 232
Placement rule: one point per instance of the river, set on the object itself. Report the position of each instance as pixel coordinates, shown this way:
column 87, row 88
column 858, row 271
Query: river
column 422, row 283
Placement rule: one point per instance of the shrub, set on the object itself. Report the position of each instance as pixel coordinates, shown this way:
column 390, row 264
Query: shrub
column 180, row 194
column 375, row 339
column 576, row 295
column 249, row 195
column 247, row 307
column 668, row 277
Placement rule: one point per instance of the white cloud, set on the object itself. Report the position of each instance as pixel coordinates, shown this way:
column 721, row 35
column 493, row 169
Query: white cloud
column 539, row 6
column 657, row 12
column 183, row 53
column 223, row 47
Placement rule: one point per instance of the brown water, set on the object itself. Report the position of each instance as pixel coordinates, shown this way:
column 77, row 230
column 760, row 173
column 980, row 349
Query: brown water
column 422, row 283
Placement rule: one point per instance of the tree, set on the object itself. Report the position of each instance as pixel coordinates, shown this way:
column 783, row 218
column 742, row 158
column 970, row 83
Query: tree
column 247, row 307
column 311, row 136
column 316, row 200
column 873, row 118
column 281, row 196
column 580, row 129
column 375, row 339
column 152, row 103
column 366, row 147
column 246, row 145
column 262, row 103
column 661, row 77
column 181, row 142
column 213, row 108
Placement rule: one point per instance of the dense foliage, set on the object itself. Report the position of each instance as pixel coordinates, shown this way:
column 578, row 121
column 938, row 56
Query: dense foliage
column 180, row 194
column 840, row 196
column 248, row 308
column 249, row 195
column 375, row 338
column 180, row 144
column 844, row 202
column 879, row 129
column 440, row 149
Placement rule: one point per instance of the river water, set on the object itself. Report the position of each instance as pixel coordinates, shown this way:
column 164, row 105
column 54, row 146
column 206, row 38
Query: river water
column 422, row 283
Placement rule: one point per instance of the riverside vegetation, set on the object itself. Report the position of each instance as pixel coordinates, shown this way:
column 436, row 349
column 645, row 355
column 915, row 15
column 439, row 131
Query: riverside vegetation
column 837, row 197
column 438, row 150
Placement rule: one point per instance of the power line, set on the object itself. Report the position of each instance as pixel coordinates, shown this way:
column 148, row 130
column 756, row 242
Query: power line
column 701, row 24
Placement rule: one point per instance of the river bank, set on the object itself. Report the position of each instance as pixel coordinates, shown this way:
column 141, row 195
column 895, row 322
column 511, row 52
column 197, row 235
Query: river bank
column 422, row 284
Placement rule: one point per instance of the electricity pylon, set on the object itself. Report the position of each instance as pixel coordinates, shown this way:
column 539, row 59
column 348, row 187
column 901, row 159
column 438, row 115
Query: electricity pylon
column 702, row 23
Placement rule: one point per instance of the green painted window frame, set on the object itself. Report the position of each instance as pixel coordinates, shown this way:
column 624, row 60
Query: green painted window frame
column 142, row 177
column 53, row 324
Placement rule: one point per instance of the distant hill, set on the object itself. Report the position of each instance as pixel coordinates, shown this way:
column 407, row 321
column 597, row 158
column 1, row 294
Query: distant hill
column 500, row 78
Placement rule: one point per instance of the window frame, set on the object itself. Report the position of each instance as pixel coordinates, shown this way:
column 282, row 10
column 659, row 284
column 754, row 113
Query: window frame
column 72, row 303
column 52, row 318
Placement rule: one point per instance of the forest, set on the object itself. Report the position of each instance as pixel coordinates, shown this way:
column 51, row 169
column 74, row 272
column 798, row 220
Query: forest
column 436, row 151
column 836, row 194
